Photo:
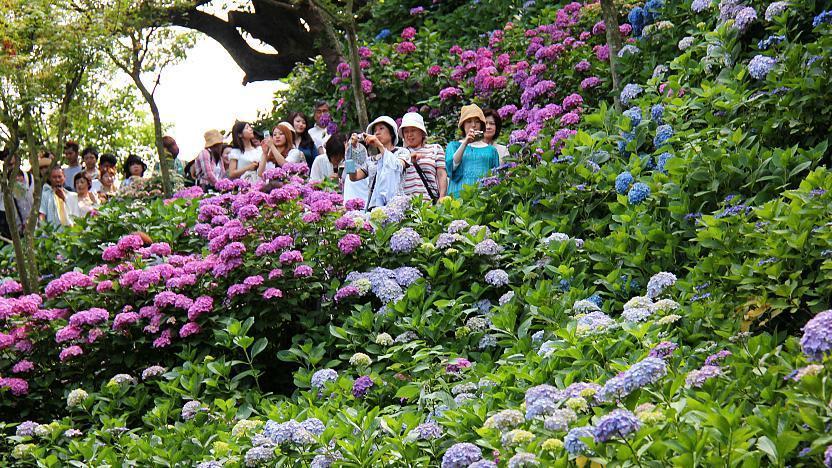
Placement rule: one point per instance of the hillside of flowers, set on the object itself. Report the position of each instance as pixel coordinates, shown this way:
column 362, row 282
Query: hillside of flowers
column 643, row 287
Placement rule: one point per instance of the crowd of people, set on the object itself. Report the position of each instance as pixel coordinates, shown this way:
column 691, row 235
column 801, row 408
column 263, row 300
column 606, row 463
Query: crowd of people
column 386, row 159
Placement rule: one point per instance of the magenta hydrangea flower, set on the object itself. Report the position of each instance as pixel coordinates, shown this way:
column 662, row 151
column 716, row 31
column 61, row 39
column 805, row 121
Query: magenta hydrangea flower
column 124, row 320
column 18, row 387
column 21, row 367
column 349, row 243
column 303, row 271
column 408, row 33
column 190, row 328
column 70, row 352
column 406, row 47
column 272, row 293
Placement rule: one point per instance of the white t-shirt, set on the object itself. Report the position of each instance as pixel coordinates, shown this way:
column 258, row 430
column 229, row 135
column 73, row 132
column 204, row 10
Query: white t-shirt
column 245, row 158
column 321, row 169
column 502, row 152
column 295, row 156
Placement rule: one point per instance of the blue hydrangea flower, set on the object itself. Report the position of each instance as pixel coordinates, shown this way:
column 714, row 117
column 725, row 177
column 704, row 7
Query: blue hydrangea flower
column 596, row 299
column 825, row 17
column 628, row 49
column 573, row 443
column 630, row 91
column 461, row 455
column 656, row 113
column 489, row 463
column 775, row 9
column 661, row 161
column 426, row 431
column 637, row 20
column 659, row 282
column 817, row 336
column 636, row 314
column 623, row 182
column 634, row 114
column 638, row 193
column 663, row 133
column 744, row 18
column 643, row 373
column 406, row 275
column 760, row 66
column 764, row 44
column 383, row 34
column 619, row 423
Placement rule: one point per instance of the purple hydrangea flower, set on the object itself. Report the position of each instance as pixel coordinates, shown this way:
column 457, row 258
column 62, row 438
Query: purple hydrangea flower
column 573, row 443
column 817, row 336
column 619, row 423
column 496, row 278
column 760, row 66
column 698, row 377
column 361, row 386
column 405, row 240
column 461, row 455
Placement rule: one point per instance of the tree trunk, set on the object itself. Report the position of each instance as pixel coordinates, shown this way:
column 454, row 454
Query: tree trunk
column 7, row 181
column 30, row 260
column 610, row 16
column 157, row 131
column 63, row 110
column 355, row 68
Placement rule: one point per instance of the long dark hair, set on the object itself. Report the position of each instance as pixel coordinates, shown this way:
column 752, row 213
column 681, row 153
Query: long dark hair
column 236, row 139
column 305, row 138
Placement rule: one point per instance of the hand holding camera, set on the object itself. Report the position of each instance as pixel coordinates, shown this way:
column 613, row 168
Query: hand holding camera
column 474, row 135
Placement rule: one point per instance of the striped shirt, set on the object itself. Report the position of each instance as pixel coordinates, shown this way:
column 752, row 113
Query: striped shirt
column 430, row 158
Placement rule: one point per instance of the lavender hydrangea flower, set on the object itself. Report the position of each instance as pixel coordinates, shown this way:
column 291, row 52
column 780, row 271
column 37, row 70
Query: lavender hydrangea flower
column 461, row 455
column 497, row 278
column 827, row 457
column 541, row 400
column 630, row 92
column 775, row 9
column 191, row 408
column 504, row 420
column 523, row 459
column 823, row 17
column 744, row 18
column 636, row 315
column 816, row 341
column 595, row 321
column 559, row 420
column 321, row 377
column 685, row 43
column 663, row 349
column 362, row 386
column 405, row 240
column 698, row 6
column 26, row 429
column 257, row 456
column 760, row 66
column 426, row 431
column 663, row 133
column 643, row 373
column 659, row 282
column 697, row 378
column 619, row 423
column 487, row 247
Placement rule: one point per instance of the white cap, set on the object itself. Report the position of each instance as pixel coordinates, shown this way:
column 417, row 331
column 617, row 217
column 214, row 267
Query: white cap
column 385, row 120
column 415, row 120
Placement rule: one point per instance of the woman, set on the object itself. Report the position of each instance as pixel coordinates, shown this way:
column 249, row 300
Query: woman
column 326, row 165
column 303, row 141
column 87, row 201
column 493, row 126
column 244, row 158
column 469, row 159
column 425, row 175
column 209, row 168
column 279, row 149
column 90, row 159
column 134, row 169
column 385, row 169
column 105, row 185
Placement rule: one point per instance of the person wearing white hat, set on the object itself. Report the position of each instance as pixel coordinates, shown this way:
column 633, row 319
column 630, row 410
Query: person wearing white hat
column 425, row 175
column 385, row 170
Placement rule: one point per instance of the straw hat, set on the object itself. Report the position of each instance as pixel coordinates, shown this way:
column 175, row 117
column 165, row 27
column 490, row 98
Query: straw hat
column 412, row 119
column 390, row 123
column 212, row 137
column 471, row 111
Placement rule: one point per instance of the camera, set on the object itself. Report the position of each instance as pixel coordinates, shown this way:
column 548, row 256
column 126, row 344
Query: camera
column 478, row 135
column 361, row 138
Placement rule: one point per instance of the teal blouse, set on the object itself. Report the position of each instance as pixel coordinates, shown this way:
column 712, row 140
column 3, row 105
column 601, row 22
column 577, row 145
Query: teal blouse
column 476, row 163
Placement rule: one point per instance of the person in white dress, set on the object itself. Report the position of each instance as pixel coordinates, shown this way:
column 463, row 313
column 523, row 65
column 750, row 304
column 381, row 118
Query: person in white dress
column 245, row 157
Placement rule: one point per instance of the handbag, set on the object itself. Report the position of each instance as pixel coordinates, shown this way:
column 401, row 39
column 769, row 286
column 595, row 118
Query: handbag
column 433, row 197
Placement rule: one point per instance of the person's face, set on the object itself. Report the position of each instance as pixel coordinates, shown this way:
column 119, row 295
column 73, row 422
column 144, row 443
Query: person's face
column 324, row 109
column 56, row 178
column 105, row 167
column 490, row 128
column 473, row 123
column 89, row 161
column 383, row 134
column 300, row 124
column 279, row 137
column 81, row 185
column 226, row 153
column 106, row 179
column 248, row 132
column 136, row 170
column 71, row 157
column 413, row 137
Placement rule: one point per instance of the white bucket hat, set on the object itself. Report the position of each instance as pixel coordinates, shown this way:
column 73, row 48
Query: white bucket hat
column 415, row 120
column 390, row 122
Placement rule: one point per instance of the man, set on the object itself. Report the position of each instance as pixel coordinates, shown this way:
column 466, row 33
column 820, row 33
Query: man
column 71, row 154
column 318, row 132
column 171, row 152
column 58, row 206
